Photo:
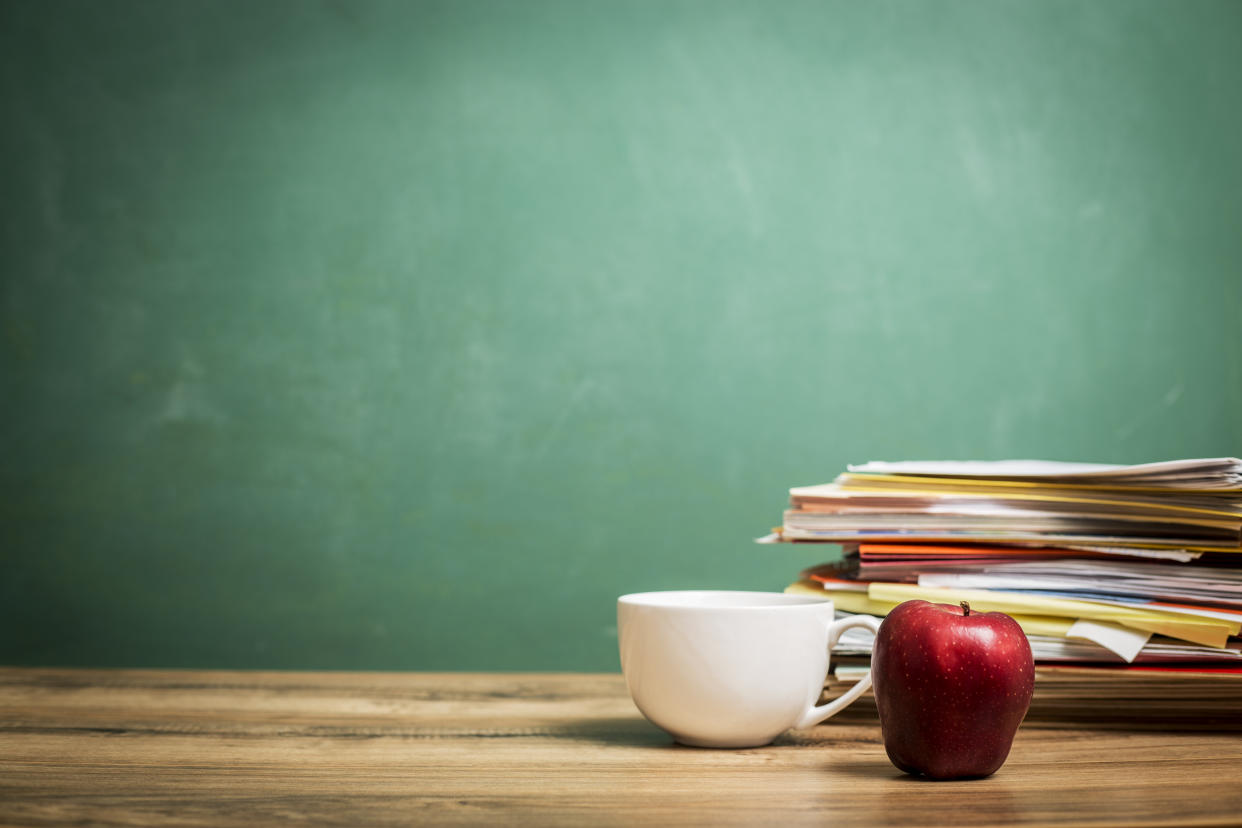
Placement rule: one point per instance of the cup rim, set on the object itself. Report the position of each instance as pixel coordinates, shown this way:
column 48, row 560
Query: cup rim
column 714, row 600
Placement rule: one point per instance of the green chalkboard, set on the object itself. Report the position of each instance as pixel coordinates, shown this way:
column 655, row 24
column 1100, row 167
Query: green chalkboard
column 409, row 335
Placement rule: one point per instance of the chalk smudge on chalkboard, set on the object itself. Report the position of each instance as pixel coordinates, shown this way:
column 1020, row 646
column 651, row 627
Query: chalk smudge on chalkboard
column 187, row 401
column 975, row 161
column 1169, row 399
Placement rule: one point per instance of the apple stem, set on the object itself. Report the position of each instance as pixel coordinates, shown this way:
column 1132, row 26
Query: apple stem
column 965, row 608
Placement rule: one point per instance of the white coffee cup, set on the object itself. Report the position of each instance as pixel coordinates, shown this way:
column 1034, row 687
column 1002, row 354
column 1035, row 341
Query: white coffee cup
column 731, row 669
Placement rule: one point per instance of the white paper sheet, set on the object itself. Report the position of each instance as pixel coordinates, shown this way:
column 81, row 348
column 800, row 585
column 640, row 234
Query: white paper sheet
column 1123, row 641
column 1209, row 473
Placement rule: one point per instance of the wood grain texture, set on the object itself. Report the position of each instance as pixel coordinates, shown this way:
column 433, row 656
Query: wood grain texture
column 240, row 748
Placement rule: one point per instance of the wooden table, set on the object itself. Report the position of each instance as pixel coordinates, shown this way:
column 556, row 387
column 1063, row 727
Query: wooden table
column 242, row 748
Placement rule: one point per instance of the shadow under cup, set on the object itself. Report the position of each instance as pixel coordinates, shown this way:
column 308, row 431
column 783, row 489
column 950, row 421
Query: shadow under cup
column 723, row 668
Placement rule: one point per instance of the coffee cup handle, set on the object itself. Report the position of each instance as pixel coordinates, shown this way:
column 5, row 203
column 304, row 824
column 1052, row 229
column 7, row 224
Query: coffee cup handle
column 818, row 713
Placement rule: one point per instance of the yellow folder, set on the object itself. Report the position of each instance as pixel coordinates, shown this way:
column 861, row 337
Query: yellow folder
column 1211, row 632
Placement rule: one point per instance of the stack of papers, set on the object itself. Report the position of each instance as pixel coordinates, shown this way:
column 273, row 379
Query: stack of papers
column 1191, row 505
column 1184, row 698
column 1100, row 564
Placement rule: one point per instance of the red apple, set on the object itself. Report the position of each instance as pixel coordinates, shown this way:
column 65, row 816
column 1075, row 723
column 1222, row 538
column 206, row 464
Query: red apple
column 951, row 686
